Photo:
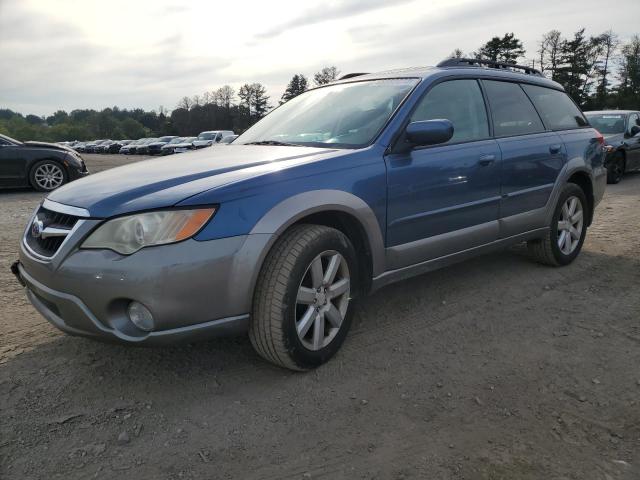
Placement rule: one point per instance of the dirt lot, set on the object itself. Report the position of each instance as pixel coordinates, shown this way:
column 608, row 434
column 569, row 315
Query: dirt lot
column 497, row 368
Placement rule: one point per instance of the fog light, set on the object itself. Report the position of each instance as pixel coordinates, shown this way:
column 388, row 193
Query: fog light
column 140, row 316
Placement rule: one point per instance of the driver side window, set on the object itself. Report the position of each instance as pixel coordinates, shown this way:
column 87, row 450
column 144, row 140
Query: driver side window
column 460, row 102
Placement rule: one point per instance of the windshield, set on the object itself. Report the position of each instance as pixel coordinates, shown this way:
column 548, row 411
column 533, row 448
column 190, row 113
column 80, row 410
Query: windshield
column 607, row 123
column 176, row 140
column 348, row 115
column 207, row 136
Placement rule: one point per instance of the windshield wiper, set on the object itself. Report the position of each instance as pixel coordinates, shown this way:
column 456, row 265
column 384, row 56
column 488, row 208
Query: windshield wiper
column 274, row 143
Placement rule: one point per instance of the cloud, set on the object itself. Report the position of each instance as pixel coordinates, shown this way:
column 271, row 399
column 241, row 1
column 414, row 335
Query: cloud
column 328, row 11
column 68, row 54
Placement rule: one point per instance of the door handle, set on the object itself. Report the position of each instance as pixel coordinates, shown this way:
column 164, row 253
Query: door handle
column 555, row 149
column 486, row 160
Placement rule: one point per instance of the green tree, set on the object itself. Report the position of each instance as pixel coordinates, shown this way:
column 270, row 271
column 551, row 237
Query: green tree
column 506, row 49
column 326, row 75
column 628, row 91
column 297, row 85
column 133, row 129
column 577, row 65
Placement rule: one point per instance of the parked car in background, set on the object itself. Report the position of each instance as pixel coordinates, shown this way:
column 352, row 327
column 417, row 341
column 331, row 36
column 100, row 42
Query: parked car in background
column 103, row 147
column 79, row 147
column 117, row 145
column 167, row 149
column 228, row 139
column 143, row 148
column 186, row 145
column 44, row 166
column 344, row 189
column 155, row 148
column 206, row 139
column 621, row 130
column 129, row 148
column 91, row 147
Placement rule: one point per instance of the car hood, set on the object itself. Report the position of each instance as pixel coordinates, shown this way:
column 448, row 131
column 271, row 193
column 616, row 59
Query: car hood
column 164, row 182
column 49, row 146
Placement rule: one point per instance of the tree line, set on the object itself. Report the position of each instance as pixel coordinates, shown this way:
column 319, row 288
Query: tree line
column 598, row 71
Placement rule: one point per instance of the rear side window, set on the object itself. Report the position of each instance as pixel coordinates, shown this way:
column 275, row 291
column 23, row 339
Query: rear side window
column 460, row 102
column 511, row 109
column 557, row 110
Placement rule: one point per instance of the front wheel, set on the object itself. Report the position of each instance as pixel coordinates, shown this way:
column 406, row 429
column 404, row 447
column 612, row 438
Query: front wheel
column 302, row 302
column 47, row 175
column 563, row 242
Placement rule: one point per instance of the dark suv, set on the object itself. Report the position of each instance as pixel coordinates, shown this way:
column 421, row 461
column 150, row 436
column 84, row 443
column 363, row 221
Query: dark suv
column 338, row 192
column 621, row 130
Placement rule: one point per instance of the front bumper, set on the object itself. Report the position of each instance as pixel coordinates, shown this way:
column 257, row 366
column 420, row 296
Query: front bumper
column 195, row 290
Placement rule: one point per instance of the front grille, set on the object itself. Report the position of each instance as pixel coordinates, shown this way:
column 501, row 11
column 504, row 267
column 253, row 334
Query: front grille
column 47, row 247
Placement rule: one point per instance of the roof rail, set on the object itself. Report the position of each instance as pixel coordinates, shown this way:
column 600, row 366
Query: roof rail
column 481, row 62
column 351, row 75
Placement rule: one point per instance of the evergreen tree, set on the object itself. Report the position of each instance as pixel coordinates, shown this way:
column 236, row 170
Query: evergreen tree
column 296, row 86
column 506, row 49
column 326, row 75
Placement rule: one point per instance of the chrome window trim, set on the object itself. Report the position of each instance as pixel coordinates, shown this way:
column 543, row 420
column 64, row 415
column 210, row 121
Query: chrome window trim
column 66, row 209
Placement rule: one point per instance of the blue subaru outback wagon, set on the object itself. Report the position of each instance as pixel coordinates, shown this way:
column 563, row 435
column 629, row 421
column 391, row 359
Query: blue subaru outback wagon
column 340, row 191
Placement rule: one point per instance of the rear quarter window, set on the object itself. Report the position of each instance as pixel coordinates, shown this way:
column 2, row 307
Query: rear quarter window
column 557, row 110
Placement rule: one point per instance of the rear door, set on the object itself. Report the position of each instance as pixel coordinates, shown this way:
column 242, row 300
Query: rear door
column 532, row 156
column 444, row 198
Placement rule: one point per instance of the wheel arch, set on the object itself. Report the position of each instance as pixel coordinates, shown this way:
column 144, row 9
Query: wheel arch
column 582, row 179
column 333, row 208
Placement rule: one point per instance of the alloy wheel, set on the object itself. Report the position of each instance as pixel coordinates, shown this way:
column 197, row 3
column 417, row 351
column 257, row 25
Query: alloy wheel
column 49, row 176
column 322, row 300
column 570, row 225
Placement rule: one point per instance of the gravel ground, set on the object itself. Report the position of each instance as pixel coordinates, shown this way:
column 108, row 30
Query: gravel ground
column 496, row 368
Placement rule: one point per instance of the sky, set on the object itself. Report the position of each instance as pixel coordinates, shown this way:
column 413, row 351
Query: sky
column 68, row 54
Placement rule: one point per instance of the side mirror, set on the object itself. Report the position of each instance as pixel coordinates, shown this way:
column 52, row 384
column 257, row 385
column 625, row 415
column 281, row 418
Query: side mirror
column 635, row 130
column 429, row 132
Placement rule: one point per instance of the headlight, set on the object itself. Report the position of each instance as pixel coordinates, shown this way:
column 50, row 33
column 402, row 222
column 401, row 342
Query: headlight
column 127, row 235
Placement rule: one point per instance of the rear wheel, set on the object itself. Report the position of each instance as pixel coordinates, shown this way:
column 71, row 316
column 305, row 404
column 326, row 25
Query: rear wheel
column 615, row 170
column 47, row 175
column 563, row 242
column 302, row 303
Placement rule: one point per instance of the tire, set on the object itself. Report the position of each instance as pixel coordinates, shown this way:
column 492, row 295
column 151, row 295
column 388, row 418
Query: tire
column 47, row 175
column 286, row 327
column 551, row 250
column 615, row 170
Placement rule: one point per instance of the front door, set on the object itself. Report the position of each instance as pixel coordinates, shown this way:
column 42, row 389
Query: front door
column 12, row 165
column 444, row 199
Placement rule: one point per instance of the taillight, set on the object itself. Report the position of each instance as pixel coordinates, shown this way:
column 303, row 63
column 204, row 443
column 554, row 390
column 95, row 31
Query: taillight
column 600, row 138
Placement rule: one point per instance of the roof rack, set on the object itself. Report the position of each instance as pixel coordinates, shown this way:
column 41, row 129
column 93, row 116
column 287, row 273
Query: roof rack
column 481, row 62
column 351, row 75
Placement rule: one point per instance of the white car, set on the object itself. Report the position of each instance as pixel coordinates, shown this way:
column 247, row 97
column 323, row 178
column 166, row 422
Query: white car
column 208, row 138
